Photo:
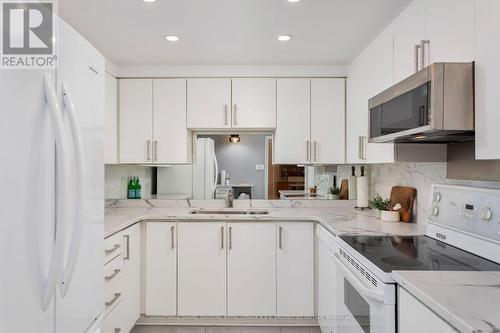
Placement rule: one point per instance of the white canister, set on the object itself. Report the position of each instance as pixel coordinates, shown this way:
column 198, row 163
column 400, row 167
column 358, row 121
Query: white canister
column 389, row 215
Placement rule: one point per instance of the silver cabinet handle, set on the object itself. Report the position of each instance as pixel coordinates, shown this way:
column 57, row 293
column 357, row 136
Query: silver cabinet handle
column 416, row 51
column 113, row 300
column 362, row 147
column 422, row 52
column 315, row 150
column 155, row 150
column 113, row 249
column 225, row 115
column 112, row 275
column 148, row 150
column 308, row 145
column 235, row 121
column 280, row 242
column 172, row 229
column 230, row 236
column 222, row 238
column 127, row 247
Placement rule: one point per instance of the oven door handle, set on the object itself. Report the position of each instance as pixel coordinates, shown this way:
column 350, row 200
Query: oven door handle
column 357, row 283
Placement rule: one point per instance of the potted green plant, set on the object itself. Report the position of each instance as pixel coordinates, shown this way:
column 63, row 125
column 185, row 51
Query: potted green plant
column 334, row 193
column 383, row 208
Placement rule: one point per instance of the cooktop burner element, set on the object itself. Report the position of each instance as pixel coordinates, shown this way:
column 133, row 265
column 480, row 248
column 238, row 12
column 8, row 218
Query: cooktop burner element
column 416, row 253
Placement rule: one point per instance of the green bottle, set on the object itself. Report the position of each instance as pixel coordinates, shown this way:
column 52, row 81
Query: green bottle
column 130, row 189
column 137, row 188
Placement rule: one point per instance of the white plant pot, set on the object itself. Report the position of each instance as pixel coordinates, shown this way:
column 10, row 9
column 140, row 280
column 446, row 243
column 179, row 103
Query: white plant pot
column 389, row 215
column 333, row 196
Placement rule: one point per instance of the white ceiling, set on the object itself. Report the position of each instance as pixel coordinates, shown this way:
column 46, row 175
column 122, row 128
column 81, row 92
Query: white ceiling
column 230, row 32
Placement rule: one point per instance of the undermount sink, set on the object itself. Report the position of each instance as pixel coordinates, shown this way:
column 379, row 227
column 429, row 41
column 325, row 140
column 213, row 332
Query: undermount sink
column 230, row 211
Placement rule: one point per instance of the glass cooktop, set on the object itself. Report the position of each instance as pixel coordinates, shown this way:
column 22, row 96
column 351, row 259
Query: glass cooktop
column 422, row 253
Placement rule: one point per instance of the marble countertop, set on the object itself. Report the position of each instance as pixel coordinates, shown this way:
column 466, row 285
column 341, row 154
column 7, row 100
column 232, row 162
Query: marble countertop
column 337, row 216
column 469, row 301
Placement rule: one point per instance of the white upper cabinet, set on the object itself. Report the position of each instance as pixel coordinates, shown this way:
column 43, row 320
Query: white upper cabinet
column 449, row 28
column 209, row 103
column 292, row 141
column 328, row 121
column 171, row 139
column 295, row 269
column 254, row 103
column 136, row 116
column 202, row 269
column 409, row 31
column 487, row 77
column 111, row 120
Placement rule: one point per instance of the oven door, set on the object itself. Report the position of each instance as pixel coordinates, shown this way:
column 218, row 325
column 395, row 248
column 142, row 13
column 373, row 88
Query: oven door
column 361, row 306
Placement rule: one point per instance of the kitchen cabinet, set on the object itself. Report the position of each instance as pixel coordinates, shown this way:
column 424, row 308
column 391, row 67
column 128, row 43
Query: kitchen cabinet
column 487, row 78
column 251, row 269
column 136, row 117
column 153, row 121
column 209, row 103
column 171, row 140
column 161, row 269
column 293, row 126
column 295, row 269
column 415, row 317
column 202, row 269
column 254, row 103
column 328, row 121
column 111, row 120
column 131, row 276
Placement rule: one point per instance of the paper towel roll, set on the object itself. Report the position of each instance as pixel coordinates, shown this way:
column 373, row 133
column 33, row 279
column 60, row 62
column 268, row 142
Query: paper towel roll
column 353, row 186
column 362, row 183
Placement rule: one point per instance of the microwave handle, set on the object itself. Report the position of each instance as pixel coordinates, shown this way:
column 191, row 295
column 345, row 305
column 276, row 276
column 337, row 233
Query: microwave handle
column 357, row 283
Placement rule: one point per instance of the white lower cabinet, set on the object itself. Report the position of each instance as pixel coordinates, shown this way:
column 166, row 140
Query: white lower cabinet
column 132, row 275
column 202, row 269
column 161, row 271
column 295, row 269
column 251, row 269
column 415, row 317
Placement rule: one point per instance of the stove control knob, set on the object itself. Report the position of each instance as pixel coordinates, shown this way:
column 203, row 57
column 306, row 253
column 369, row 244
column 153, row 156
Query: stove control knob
column 437, row 196
column 486, row 214
column 435, row 211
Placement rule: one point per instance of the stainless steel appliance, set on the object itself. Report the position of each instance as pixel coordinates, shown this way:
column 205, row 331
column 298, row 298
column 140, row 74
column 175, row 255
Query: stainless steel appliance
column 435, row 104
column 463, row 234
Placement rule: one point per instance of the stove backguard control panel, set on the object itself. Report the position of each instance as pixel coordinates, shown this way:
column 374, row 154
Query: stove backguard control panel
column 467, row 209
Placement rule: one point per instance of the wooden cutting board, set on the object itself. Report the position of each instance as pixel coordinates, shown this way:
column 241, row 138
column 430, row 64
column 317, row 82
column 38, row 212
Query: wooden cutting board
column 344, row 190
column 405, row 196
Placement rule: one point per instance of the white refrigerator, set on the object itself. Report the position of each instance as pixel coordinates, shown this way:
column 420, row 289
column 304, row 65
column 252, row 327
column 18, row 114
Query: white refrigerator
column 52, row 196
column 205, row 170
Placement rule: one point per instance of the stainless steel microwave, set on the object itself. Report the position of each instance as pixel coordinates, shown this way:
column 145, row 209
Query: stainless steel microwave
column 435, row 104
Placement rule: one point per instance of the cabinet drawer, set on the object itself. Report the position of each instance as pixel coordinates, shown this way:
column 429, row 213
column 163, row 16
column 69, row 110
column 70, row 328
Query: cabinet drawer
column 113, row 321
column 113, row 297
column 113, row 271
column 113, row 246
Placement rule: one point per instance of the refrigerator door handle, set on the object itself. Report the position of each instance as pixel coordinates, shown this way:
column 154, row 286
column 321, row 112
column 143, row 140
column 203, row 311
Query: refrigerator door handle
column 215, row 175
column 61, row 167
column 69, row 267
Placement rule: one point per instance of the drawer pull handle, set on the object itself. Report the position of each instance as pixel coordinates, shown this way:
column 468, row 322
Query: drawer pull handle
column 127, row 242
column 113, row 300
column 109, row 251
column 115, row 273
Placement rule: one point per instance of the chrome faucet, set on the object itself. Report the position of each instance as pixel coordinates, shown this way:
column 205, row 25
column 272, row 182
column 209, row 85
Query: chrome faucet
column 230, row 198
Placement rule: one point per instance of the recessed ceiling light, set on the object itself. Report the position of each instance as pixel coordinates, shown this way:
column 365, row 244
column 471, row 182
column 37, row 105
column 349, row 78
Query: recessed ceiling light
column 149, row 0
column 172, row 38
column 284, row 38
column 292, row 1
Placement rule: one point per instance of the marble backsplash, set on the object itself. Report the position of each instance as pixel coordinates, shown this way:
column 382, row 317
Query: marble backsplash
column 117, row 176
column 382, row 177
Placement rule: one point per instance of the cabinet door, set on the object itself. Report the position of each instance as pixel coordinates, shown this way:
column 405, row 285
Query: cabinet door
column 414, row 317
column 254, row 103
column 295, row 269
column 487, row 77
column 328, row 121
column 136, row 112
column 202, row 269
column 171, row 139
column 161, row 273
column 209, row 103
column 292, row 143
column 111, row 120
column 251, row 269
column 409, row 31
column 326, row 290
column 449, row 27
column 132, row 276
